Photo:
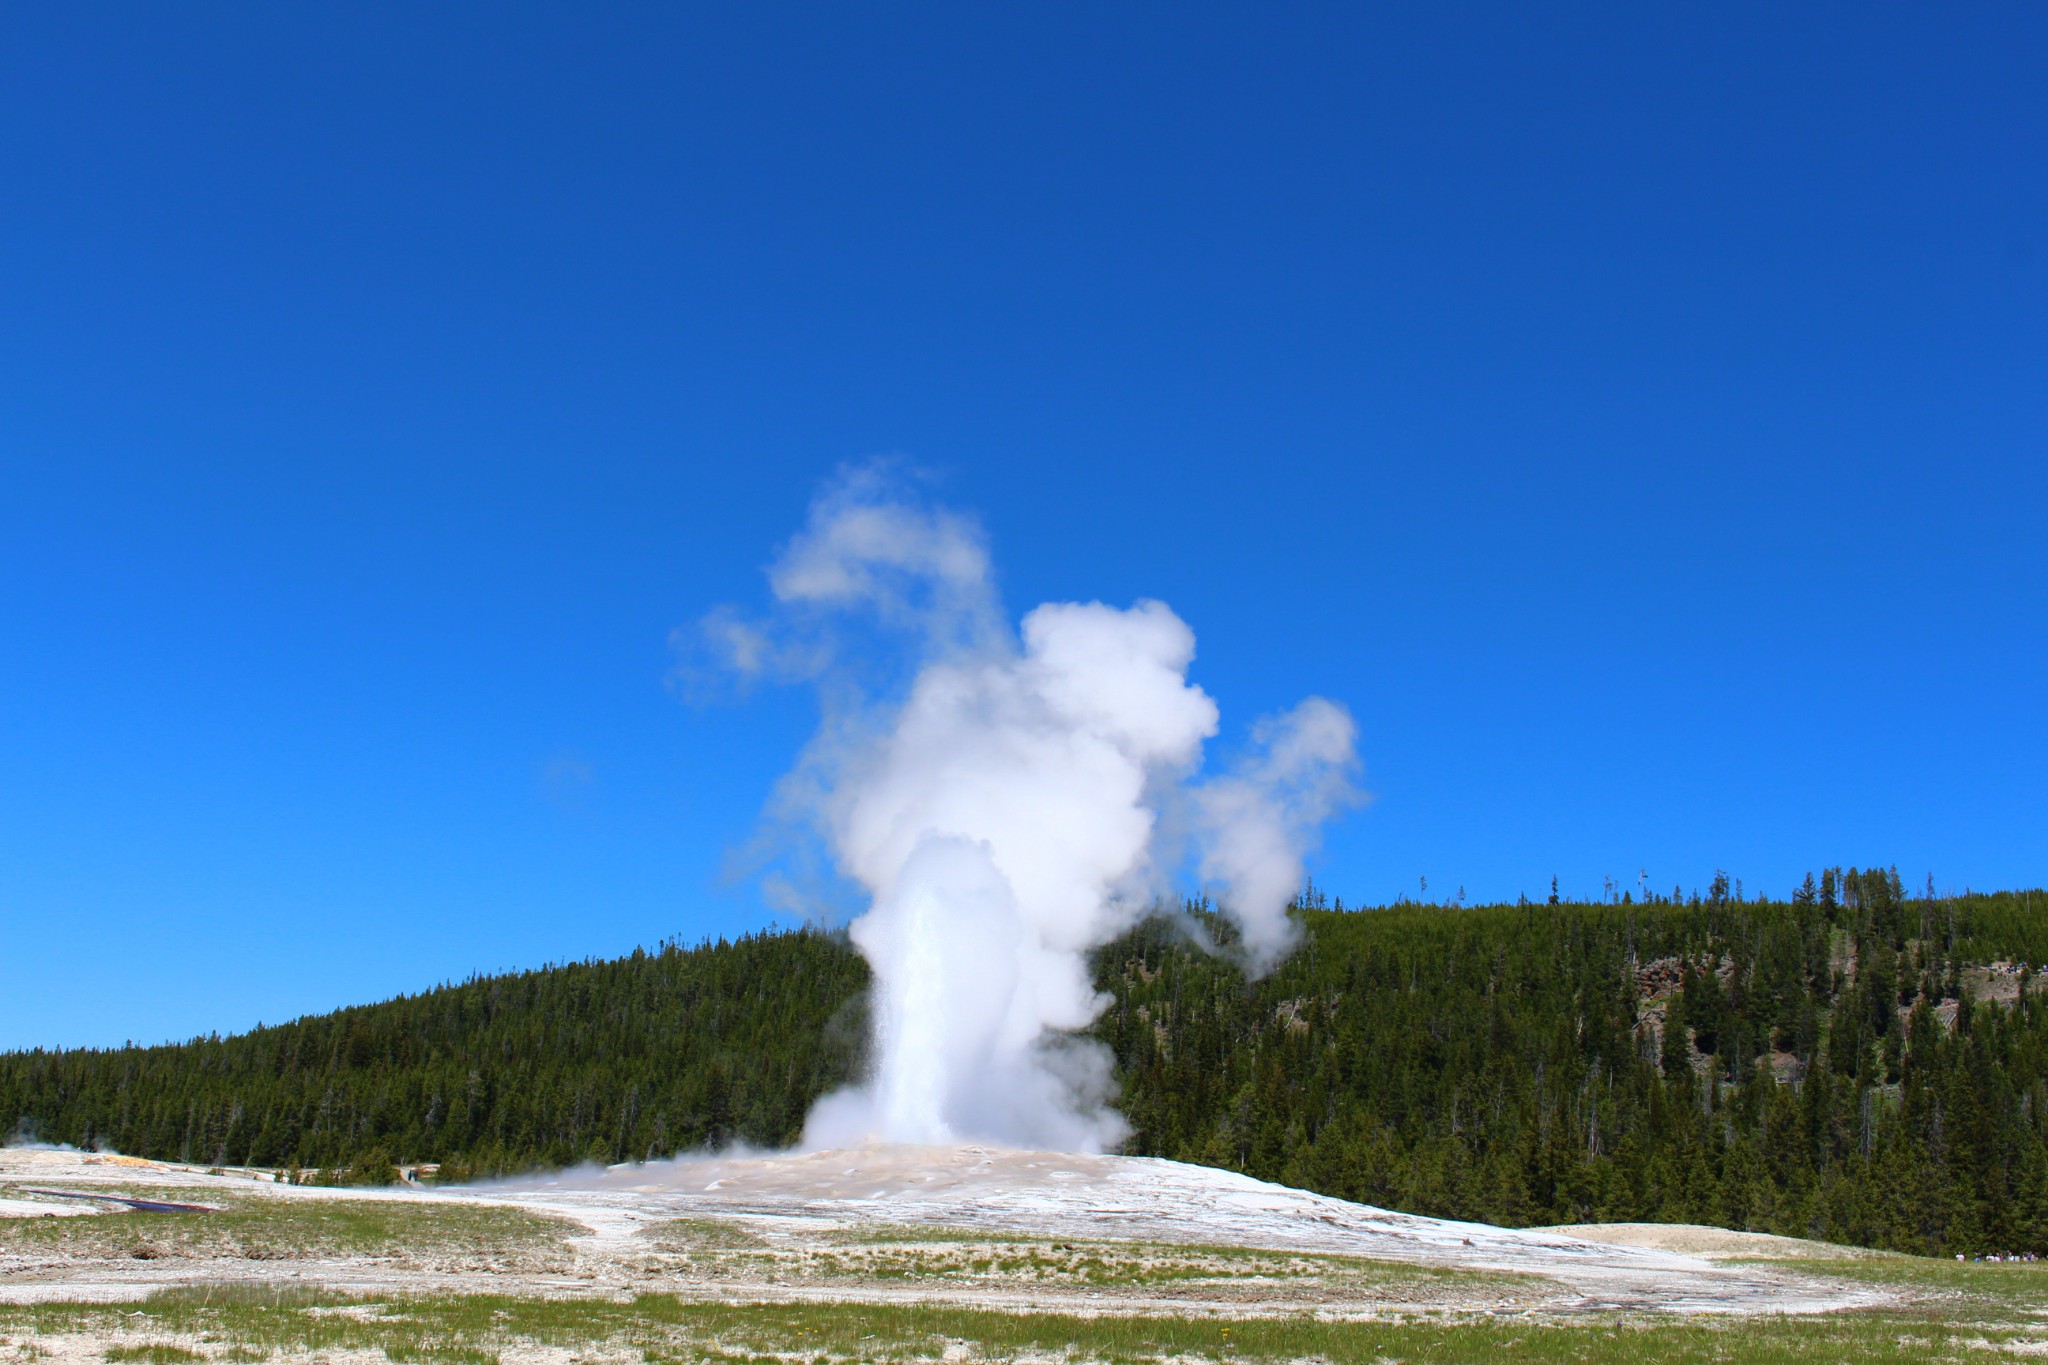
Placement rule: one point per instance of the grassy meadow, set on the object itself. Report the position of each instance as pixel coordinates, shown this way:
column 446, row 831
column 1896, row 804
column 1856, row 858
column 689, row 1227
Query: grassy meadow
column 1948, row 1311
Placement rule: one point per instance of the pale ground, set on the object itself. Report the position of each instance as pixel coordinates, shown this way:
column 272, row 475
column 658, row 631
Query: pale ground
column 970, row 1226
column 1714, row 1244
column 992, row 1193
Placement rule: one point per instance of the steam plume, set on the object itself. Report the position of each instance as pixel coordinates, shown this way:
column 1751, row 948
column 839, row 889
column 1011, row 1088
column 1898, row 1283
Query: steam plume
column 1002, row 813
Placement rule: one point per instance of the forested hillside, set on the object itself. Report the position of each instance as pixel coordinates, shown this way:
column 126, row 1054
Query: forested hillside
column 1854, row 1063
column 651, row 1054
column 1840, row 1066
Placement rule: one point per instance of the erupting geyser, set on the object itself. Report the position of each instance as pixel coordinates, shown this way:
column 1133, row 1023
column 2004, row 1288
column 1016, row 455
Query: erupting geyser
column 1004, row 813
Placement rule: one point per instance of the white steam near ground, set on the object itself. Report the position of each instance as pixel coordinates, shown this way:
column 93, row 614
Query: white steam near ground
column 26, row 1136
column 1022, row 797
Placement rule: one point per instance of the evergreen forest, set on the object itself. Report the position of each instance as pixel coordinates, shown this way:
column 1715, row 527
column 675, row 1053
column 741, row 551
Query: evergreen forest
column 1856, row 1063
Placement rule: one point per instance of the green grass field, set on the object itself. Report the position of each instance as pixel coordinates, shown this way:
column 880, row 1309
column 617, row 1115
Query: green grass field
column 253, row 1227
column 1964, row 1313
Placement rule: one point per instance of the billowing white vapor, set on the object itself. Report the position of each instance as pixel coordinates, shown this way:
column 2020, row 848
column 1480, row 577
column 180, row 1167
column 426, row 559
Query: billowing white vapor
column 1003, row 813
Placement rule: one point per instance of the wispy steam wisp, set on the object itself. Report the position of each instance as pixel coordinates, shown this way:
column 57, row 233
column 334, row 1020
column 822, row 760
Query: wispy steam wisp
column 1001, row 811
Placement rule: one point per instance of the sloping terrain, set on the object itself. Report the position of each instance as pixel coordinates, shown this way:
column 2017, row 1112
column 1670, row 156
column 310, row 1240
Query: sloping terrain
column 968, row 1226
column 1801, row 1067
column 982, row 1192
column 1716, row 1244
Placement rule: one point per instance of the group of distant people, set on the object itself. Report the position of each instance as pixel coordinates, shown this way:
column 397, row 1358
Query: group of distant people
column 1997, row 1256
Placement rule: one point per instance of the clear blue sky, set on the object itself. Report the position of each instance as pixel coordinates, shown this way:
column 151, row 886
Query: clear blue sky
column 1635, row 413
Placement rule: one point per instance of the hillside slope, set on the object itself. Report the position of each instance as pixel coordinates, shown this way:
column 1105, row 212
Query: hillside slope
column 643, row 1056
column 1852, row 1064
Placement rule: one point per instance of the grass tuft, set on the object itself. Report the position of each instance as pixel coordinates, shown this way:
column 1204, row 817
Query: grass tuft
column 483, row 1329
column 266, row 1228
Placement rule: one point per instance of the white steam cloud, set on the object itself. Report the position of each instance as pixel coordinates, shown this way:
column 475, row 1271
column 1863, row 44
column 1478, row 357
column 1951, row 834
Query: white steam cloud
column 1004, row 813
